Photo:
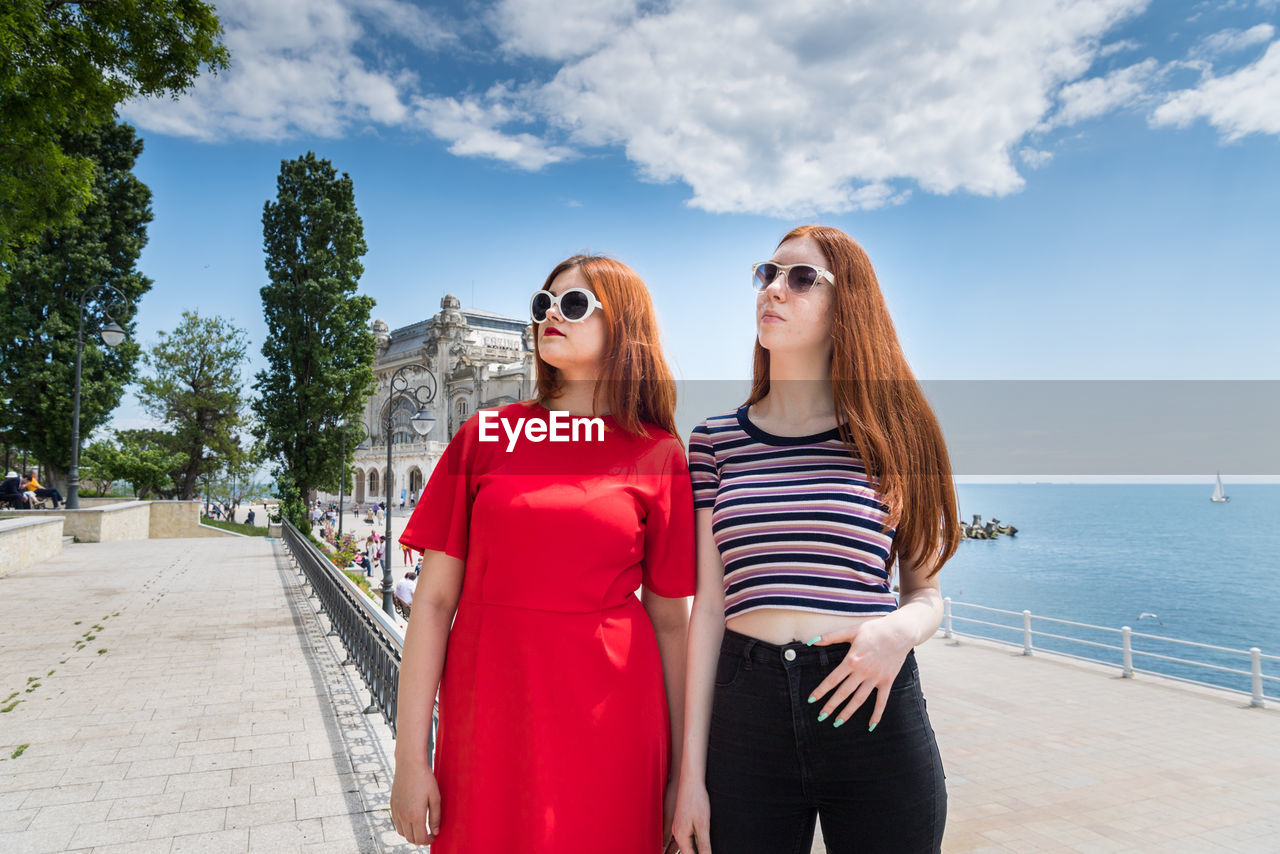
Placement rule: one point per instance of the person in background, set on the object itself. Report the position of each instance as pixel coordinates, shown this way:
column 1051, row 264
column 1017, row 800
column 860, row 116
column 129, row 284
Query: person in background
column 249, row 520
column 370, row 550
column 405, row 553
column 403, row 592
column 33, row 486
column 11, row 491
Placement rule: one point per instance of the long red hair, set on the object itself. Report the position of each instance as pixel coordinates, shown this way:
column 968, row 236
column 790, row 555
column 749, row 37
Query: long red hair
column 885, row 420
column 635, row 384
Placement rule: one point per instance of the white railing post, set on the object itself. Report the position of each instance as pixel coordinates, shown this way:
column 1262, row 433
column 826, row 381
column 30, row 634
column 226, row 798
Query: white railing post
column 1255, row 656
column 1026, row 632
column 1126, row 641
column 946, row 618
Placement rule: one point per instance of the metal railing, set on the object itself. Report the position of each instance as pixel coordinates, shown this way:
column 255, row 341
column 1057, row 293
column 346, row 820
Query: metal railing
column 372, row 640
column 1256, row 693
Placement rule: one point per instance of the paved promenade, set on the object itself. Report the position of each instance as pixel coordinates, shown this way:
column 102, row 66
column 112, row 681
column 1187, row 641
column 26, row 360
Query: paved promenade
column 208, row 712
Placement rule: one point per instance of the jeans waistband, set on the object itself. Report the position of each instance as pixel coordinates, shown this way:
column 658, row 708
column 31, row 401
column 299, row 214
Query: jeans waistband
column 794, row 654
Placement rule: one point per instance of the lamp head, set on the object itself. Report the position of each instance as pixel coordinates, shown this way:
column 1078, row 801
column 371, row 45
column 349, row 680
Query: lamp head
column 112, row 334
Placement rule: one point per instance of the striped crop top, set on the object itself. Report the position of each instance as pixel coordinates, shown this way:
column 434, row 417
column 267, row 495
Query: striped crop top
column 795, row 518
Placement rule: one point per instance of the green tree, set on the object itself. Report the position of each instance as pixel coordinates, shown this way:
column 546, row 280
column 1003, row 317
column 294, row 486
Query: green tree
column 42, row 306
column 319, row 349
column 195, row 391
column 64, row 67
column 146, row 458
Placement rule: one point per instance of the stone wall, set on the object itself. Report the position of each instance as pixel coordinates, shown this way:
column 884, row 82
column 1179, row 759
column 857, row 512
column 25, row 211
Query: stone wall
column 27, row 541
column 174, row 519
column 106, row 523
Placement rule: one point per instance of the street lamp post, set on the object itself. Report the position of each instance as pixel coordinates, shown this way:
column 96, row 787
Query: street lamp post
column 342, row 473
column 421, row 397
column 112, row 334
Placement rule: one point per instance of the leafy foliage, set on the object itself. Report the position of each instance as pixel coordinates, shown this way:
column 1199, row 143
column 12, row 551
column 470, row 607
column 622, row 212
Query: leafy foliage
column 145, row 458
column 42, row 304
column 195, row 390
column 318, row 348
column 64, row 67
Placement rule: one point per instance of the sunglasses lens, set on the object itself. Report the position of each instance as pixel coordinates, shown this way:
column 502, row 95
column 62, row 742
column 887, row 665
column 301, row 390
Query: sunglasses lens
column 802, row 277
column 765, row 274
column 541, row 302
column 574, row 304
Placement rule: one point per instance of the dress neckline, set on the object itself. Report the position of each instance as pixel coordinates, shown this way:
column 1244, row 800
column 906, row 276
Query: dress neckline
column 608, row 418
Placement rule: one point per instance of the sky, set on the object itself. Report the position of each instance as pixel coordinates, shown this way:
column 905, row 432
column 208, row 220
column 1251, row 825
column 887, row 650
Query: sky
column 1066, row 190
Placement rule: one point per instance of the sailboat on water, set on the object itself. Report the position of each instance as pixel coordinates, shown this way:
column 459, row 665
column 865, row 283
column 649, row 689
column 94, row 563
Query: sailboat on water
column 1219, row 495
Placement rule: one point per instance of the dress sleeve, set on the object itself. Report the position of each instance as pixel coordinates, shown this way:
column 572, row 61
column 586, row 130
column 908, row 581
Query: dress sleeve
column 703, row 471
column 441, row 519
column 669, row 566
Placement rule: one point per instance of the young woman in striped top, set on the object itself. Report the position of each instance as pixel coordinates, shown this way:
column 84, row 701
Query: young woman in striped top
column 803, row 698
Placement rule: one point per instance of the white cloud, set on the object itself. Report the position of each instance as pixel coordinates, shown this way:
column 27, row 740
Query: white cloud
column 295, row 71
column 472, row 125
column 1035, row 158
column 826, row 106
column 783, row 109
column 561, row 30
column 1231, row 41
column 1237, row 104
column 1088, row 99
column 1118, row 47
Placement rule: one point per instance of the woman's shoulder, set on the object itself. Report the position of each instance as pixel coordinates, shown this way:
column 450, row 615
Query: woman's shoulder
column 715, row 428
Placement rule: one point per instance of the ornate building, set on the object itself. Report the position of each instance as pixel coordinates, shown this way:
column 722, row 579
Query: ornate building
column 477, row 358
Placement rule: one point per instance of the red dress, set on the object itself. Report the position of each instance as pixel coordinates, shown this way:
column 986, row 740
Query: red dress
column 554, row 733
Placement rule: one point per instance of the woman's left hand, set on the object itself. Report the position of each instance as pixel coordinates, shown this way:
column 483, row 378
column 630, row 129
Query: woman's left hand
column 874, row 659
column 669, row 808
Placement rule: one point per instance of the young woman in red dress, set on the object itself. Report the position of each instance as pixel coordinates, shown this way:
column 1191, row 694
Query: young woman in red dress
column 561, row 692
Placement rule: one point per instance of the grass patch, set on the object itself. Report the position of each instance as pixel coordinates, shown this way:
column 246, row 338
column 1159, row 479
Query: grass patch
column 101, row 651
column 9, row 707
column 19, row 751
column 235, row 527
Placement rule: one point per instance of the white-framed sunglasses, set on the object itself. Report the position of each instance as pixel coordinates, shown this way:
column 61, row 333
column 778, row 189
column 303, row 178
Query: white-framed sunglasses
column 573, row 305
column 800, row 277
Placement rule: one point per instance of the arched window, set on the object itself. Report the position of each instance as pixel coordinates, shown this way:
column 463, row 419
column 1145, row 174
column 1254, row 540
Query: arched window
column 401, row 429
column 461, row 408
column 373, row 482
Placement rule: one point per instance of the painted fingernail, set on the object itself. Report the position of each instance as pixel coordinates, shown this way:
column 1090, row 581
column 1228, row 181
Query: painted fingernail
column 822, row 717
column 872, row 728
column 839, row 722
column 813, row 699
column 815, row 640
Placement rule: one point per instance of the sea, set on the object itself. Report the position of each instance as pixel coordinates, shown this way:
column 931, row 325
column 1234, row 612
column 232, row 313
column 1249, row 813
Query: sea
column 1106, row 554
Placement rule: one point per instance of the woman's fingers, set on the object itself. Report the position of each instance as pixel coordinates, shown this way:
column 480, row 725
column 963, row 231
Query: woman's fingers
column 858, row 698
column 833, row 681
column 837, row 698
column 702, row 841
column 882, row 700
column 433, row 812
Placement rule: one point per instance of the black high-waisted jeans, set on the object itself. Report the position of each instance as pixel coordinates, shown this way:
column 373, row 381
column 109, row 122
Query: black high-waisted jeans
column 772, row 768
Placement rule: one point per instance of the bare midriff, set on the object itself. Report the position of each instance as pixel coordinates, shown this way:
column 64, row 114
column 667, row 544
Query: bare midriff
column 785, row 625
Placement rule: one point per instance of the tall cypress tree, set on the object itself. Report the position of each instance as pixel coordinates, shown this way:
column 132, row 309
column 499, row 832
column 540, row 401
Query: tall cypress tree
column 42, row 305
column 319, row 349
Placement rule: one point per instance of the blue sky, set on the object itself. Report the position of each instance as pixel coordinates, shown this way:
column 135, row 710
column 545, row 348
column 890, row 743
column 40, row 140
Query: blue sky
column 1070, row 190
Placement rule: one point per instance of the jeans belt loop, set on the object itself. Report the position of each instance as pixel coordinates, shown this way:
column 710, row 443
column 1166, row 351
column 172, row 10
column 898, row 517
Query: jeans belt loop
column 746, row 652
column 822, row 655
